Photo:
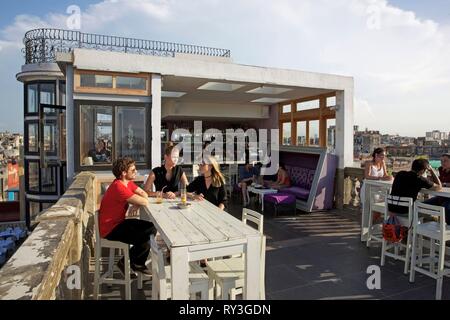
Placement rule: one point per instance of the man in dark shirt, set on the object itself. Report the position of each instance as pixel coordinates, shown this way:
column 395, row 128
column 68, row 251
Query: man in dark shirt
column 444, row 176
column 444, row 170
column 409, row 183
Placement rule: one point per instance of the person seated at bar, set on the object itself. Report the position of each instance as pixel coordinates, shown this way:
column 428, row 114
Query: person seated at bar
column 100, row 153
column 375, row 169
column 444, row 176
column 409, row 183
column 210, row 185
column 168, row 176
column 247, row 175
column 113, row 224
column 283, row 180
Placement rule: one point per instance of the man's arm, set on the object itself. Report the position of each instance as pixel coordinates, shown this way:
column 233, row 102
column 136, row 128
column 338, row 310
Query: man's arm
column 141, row 192
column 437, row 185
column 138, row 200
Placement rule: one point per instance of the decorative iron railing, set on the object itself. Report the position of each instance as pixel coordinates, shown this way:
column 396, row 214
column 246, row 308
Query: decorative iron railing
column 41, row 45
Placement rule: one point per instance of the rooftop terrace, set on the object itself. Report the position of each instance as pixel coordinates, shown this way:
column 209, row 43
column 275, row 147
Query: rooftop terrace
column 308, row 256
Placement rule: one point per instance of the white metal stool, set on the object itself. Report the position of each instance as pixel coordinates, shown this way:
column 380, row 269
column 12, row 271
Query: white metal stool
column 404, row 221
column 438, row 233
column 108, row 276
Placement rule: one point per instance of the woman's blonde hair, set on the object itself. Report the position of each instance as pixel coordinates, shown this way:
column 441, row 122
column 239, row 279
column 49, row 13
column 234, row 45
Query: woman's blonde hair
column 217, row 178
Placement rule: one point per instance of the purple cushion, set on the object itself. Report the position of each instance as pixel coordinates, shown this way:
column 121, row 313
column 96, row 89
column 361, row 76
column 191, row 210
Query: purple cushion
column 298, row 192
column 301, row 177
column 310, row 179
column 298, row 175
column 279, row 198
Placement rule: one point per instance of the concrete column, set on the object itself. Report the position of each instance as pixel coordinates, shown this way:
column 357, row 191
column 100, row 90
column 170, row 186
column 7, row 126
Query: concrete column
column 156, row 120
column 344, row 127
column 344, row 139
column 70, row 129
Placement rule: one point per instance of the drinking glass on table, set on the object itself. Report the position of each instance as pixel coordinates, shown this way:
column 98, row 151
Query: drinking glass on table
column 183, row 194
column 159, row 197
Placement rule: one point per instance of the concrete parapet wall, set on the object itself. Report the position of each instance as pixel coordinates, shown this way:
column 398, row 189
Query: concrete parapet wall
column 63, row 237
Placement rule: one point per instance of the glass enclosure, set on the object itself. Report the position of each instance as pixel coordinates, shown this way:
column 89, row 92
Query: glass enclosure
column 130, row 133
column 96, row 134
column 109, row 132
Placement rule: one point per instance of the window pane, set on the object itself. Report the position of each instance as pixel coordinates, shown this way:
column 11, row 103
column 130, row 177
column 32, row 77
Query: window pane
column 95, row 80
column 307, row 105
column 32, row 94
column 50, row 137
column 301, row 133
column 62, row 93
column 131, row 83
column 130, row 133
column 287, row 108
column 286, row 133
column 62, row 136
column 33, row 137
column 96, row 135
column 314, row 133
column 331, row 134
column 48, row 179
column 34, row 208
column 47, row 93
column 33, row 176
column 331, row 101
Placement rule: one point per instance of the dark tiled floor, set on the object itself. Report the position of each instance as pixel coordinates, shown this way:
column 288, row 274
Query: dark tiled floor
column 320, row 256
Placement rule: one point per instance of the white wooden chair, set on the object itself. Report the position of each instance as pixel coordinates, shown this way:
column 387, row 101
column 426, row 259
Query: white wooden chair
column 108, row 276
column 228, row 274
column 405, row 221
column 161, row 277
column 376, row 204
column 438, row 233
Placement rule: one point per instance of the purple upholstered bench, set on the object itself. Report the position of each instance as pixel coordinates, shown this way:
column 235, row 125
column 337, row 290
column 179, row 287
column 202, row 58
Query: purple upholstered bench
column 281, row 201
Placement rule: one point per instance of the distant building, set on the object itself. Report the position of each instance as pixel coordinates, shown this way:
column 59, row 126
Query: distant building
column 365, row 142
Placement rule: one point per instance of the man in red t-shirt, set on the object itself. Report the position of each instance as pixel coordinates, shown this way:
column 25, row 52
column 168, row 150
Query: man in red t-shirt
column 112, row 223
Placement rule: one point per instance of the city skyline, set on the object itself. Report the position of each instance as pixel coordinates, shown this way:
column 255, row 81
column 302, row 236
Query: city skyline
column 396, row 50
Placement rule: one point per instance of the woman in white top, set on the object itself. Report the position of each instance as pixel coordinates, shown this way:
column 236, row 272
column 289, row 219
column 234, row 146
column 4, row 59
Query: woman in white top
column 376, row 168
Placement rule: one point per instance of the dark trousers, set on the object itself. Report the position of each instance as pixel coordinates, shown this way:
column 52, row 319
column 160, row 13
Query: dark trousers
column 443, row 202
column 137, row 233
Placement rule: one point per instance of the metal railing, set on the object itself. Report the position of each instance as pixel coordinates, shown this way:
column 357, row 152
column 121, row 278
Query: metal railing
column 41, row 45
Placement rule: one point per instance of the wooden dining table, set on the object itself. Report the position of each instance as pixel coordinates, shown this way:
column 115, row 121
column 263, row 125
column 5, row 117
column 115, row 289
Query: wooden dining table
column 203, row 231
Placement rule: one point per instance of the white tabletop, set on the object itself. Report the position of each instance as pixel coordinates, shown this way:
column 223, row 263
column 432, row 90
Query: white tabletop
column 201, row 223
column 204, row 231
column 444, row 192
column 262, row 190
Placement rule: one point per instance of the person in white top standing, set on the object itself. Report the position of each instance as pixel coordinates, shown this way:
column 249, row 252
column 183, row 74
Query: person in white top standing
column 376, row 168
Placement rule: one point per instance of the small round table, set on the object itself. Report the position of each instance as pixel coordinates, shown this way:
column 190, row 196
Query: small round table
column 261, row 192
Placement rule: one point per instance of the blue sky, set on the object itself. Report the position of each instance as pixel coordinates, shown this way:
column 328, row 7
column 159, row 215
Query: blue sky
column 438, row 10
column 396, row 50
column 36, row 7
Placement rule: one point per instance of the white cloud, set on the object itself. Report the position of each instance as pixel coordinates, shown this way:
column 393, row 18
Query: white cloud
column 399, row 62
